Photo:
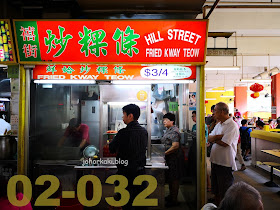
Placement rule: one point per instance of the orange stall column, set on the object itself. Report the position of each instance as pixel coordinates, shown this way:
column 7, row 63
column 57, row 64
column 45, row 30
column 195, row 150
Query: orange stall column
column 240, row 100
column 275, row 96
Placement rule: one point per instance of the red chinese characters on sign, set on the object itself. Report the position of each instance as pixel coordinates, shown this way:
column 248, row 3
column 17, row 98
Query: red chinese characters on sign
column 142, row 41
column 30, row 50
column 28, row 33
column 114, row 72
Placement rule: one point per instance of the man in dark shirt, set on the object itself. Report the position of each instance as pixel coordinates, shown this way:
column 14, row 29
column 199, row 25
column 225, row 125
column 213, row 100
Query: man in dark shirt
column 130, row 144
column 209, row 120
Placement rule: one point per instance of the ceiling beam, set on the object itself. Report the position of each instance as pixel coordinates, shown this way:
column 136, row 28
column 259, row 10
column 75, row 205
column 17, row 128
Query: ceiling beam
column 212, row 9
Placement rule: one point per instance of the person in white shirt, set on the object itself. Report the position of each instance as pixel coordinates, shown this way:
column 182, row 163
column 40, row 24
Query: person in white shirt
column 4, row 126
column 225, row 137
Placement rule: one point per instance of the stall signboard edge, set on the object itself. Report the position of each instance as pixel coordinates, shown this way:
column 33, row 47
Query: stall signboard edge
column 114, row 72
column 111, row 41
column 7, row 50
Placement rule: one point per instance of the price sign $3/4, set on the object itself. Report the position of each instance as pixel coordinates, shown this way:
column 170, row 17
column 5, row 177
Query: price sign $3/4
column 166, row 72
column 155, row 72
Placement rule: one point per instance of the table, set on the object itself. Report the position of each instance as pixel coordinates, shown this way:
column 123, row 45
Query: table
column 273, row 152
column 276, row 153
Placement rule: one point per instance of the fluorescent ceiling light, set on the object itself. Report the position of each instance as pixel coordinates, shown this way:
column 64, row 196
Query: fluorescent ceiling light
column 125, row 103
column 225, row 68
column 47, row 86
column 215, row 91
column 210, row 99
column 256, row 80
column 3, row 66
column 4, row 99
column 227, row 96
column 65, row 81
column 145, row 82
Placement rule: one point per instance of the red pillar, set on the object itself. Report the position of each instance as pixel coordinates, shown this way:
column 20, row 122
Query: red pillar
column 275, row 96
column 240, row 100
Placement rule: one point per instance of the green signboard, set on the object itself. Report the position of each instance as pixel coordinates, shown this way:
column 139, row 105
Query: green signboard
column 173, row 106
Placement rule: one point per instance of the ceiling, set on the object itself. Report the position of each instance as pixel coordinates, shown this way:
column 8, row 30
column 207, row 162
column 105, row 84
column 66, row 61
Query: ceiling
column 33, row 9
column 256, row 36
column 255, row 23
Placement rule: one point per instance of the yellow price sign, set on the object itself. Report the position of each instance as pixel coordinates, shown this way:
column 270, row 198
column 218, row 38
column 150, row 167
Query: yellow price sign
column 142, row 95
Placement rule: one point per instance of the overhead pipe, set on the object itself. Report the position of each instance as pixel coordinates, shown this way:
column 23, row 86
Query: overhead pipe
column 211, row 10
column 244, row 2
column 237, row 7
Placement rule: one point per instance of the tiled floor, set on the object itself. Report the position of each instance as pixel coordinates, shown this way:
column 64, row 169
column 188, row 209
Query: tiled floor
column 253, row 176
column 257, row 177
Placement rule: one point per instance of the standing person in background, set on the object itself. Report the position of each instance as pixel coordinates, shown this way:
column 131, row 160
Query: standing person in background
column 239, row 152
column 245, row 139
column 238, row 120
column 207, row 144
column 194, row 126
column 260, row 125
column 237, row 114
column 225, row 137
column 271, row 124
column 4, row 126
column 174, row 158
column 278, row 123
column 210, row 119
column 213, row 123
column 252, row 122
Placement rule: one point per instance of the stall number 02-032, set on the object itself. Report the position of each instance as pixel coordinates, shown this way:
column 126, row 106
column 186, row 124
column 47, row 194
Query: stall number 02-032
column 44, row 200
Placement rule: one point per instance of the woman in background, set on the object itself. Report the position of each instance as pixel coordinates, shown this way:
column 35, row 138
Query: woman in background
column 174, row 158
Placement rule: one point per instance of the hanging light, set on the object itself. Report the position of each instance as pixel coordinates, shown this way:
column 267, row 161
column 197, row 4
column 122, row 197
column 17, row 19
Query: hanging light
column 256, row 87
column 255, row 95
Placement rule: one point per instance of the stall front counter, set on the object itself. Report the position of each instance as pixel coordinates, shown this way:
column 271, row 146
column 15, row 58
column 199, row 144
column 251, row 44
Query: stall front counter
column 103, row 171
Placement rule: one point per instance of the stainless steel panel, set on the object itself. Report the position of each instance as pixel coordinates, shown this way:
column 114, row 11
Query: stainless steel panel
column 90, row 115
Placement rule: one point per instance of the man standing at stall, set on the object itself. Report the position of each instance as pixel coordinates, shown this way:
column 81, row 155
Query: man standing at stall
column 225, row 137
column 130, row 144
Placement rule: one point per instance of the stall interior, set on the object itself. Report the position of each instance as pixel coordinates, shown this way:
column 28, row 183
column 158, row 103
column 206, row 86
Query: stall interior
column 100, row 107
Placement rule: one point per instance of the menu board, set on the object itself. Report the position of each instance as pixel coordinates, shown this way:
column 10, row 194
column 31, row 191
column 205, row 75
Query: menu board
column 7, row 54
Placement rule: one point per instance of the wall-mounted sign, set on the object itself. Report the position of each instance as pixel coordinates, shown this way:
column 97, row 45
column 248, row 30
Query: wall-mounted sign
column 221, row 51
column 173, row 106
column 113, row 72
column 112, row 41
column 192, row 101
column 7, row 54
